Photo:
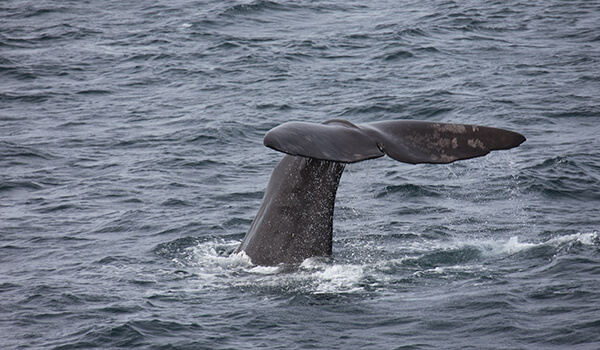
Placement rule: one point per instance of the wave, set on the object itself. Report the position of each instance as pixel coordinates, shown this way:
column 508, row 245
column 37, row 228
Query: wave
column 409, row 190
column 255, row 7
column 569, row 176
column 9, row 150
column 211, row 263
column 6, row 186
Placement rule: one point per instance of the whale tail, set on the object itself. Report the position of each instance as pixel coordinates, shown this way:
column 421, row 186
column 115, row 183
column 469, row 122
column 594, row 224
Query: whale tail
column 406, row 141
column 295, row 219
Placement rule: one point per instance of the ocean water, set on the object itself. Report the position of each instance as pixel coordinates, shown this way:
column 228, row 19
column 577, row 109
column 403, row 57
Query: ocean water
column 131, row 166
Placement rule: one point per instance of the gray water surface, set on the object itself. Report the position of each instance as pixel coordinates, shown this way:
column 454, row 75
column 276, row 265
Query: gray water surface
column 131, row 166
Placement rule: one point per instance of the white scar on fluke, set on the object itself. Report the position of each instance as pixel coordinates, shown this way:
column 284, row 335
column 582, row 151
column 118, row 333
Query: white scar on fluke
column 295, row 219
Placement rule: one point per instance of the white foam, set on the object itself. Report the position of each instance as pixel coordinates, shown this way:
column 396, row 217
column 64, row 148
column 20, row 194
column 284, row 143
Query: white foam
column 213, row 269
column 338, row 279
column 217, row 270
column 265, row 270
column 514, row 246
column 450, row 271
column 583, row 238
column 321, row 276
column 436, row 270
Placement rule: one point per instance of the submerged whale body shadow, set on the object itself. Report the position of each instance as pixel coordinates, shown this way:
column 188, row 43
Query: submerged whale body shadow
column 295, row 219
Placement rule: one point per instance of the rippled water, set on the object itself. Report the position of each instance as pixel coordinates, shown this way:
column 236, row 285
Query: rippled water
column 131, row 166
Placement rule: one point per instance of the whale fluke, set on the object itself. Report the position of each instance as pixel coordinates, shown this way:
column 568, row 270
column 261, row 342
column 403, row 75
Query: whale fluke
column 335, row 140
column 295, row 219
column 406, row 141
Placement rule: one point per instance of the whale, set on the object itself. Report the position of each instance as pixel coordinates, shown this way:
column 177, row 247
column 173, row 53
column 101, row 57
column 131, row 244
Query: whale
column 295, row 219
